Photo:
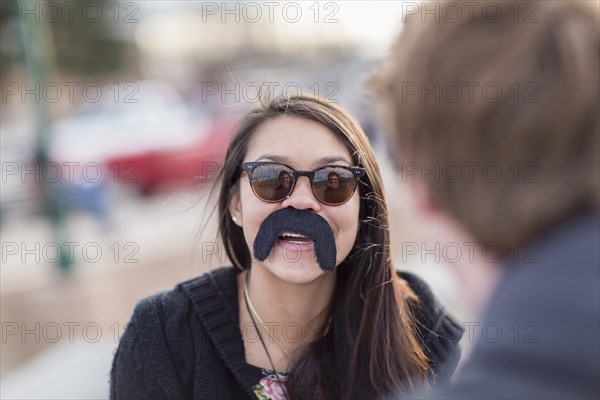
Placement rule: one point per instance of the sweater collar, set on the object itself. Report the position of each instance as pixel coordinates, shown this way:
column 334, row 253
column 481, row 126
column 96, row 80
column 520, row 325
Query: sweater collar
column 214, row 298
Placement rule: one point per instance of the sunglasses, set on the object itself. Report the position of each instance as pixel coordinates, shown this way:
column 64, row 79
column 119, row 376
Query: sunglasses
column 331, row 184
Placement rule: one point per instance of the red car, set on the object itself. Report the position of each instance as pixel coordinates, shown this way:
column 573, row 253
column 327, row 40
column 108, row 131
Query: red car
column 175, row 168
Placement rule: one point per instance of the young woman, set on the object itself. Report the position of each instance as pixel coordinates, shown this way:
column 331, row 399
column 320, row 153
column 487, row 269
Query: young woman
column 313, row 307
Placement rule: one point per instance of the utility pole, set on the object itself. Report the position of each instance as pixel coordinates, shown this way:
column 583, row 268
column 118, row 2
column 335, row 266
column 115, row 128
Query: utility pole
column 38, row 48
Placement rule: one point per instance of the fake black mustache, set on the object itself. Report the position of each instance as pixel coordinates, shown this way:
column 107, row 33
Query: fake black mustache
column 305, row 223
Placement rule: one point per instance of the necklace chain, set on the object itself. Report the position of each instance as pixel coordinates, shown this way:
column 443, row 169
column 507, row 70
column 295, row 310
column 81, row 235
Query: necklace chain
column 248, row 307
column 253, row 311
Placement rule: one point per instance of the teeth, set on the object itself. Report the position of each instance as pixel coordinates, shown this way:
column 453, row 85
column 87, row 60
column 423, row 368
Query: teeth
column 289, row 234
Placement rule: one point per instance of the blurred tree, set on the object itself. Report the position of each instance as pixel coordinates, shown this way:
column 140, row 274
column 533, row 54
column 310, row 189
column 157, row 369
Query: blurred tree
column 89, row 45
column 38, row 51
column 85, row 35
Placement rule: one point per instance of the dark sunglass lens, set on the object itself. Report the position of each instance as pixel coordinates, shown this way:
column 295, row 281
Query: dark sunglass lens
column 272, row 182
column 334, row 185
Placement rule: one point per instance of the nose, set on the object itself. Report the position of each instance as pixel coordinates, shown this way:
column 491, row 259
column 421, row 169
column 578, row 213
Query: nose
column 302, row 197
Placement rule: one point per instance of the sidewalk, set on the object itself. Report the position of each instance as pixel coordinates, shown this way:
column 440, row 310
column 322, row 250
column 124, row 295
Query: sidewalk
column 151, row 250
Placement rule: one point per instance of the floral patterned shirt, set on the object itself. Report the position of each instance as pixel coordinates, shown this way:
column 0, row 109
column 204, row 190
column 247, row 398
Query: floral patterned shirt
column 271, row 384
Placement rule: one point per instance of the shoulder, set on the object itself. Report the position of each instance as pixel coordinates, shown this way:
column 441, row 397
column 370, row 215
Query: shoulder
column 428, row 311
column 177, row 304
column 178, row 316
column 223, row 278
column 430, row 307
column 158, row 349
column 543, row 342
column 438, row 331
column 150, row 351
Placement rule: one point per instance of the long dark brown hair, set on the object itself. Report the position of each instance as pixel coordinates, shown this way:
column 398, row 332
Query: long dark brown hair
column 370, row 348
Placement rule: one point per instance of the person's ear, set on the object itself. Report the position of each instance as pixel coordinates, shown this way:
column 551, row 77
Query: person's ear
column 235, row 208
column 421, row 196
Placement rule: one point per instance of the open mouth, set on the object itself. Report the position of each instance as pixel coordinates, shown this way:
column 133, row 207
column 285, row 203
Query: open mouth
column 295, row 232
column 299, row 241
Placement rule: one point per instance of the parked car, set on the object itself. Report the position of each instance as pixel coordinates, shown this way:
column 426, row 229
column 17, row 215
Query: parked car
column 168, row 169
column 149, row 140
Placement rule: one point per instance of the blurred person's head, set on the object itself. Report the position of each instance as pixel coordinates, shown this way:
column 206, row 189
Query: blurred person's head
column 333, row 180
column 284, row 179
column 494, row 117
column 369, row 307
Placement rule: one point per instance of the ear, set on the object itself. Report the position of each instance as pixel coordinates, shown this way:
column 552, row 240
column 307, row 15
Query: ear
column 235, row 208
column 421, row 196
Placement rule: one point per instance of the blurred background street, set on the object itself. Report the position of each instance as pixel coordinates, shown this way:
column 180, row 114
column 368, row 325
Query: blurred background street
column 115, row 117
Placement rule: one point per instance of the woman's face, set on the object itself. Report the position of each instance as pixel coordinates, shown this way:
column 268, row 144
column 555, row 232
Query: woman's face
column 285, row 180
column 303, row 145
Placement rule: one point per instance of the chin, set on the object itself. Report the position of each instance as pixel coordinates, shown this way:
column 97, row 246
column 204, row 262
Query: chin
column 299, row 271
